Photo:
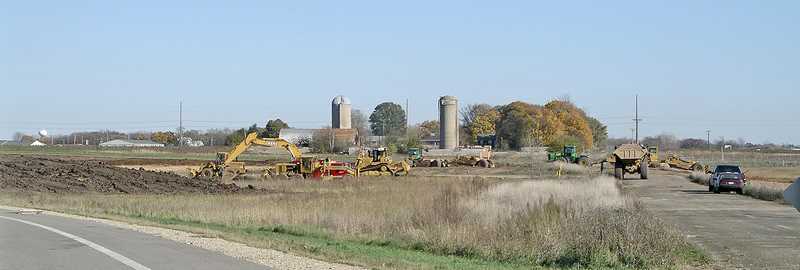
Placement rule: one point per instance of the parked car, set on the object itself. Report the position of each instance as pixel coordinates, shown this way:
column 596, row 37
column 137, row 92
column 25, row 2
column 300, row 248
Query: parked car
column 726, row 178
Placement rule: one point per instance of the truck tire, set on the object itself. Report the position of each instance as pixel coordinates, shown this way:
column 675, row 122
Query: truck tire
column 643, row 168
column 483, row 163
column 716, row 189
column 583, row 161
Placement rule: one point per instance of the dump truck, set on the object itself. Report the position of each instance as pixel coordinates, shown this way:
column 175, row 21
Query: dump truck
column 568, row 154
column 629, row 158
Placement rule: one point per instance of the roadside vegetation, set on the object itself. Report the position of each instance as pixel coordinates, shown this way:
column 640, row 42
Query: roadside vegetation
column 415, row 223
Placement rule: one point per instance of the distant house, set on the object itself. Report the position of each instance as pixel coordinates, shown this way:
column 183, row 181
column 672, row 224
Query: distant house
column 131, row 143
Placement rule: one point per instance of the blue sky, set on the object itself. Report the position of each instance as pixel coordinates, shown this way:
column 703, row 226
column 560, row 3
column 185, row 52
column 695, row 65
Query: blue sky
column 728, row 66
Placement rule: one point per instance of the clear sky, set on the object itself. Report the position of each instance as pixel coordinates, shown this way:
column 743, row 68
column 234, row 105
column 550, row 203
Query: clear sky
column 728, row 66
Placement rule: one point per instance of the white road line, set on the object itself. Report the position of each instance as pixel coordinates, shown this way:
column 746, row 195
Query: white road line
column 784, row 227
column 110, row 253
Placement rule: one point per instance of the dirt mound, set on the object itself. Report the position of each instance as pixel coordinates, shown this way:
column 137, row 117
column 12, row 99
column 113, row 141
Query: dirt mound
column 43, row 174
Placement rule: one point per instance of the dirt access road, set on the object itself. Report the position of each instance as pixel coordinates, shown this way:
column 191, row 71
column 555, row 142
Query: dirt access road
column 738, row 231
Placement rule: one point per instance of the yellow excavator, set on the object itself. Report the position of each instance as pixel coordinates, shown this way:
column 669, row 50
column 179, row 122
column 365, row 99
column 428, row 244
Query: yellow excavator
column 378, row 162
column 226, row 166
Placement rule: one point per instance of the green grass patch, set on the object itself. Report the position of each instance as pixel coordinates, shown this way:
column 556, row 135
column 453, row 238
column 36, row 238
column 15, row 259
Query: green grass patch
column 315, row 243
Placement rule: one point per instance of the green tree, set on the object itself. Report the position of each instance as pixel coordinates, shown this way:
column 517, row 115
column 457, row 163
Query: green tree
column 273, row 128
column 515, row 127
column 235, row 137
column 388, row 119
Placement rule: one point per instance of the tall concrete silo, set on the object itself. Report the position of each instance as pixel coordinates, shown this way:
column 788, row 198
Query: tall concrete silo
column 340, row 113
column 448, row 122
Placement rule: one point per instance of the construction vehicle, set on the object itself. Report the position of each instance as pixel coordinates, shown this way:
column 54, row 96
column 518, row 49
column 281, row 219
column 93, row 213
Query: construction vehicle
column 483, row 159
column 568, row 154
column 228, row 168
column 416, row 159
column 629, row 158
column 675, row 161
column 378, row 162
column 654, row 161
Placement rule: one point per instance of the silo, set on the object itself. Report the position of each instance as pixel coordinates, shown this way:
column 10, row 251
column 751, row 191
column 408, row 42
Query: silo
column 448, row 122
column 340, row 113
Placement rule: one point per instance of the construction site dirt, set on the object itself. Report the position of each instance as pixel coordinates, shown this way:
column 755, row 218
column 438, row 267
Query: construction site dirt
column 46, row 174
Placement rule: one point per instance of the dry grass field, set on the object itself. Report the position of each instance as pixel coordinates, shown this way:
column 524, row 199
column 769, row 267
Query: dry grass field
column 449, row 223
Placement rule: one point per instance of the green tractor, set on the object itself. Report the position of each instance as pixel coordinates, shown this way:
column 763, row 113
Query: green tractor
column 569, row 155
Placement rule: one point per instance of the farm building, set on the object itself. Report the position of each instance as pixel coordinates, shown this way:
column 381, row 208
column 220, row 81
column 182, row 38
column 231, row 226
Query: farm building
column 131, row 143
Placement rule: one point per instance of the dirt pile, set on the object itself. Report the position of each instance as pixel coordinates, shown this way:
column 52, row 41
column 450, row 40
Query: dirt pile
column 42, row 174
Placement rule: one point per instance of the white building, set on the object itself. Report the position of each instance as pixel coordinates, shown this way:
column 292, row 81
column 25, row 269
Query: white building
column 131, row 143
column 38, row 143
column 297, row 135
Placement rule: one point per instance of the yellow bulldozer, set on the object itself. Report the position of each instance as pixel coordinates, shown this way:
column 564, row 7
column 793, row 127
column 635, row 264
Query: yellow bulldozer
column 378, row 162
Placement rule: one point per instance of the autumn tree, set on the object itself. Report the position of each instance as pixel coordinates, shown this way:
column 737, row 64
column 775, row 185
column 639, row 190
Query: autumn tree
column 573, row 122
column 479, row 119
column 429, row 128
column 388, row 119
column 165, row 137
column 599, row 131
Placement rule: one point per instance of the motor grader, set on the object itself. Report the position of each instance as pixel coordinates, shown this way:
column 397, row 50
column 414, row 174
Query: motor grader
column 228, row 168
column 378, row 162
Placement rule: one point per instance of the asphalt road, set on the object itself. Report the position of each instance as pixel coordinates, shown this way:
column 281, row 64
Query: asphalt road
column 50, row 242
column 738, row 231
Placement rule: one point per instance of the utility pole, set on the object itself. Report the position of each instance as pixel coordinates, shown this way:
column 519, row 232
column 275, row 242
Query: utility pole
column 407, row 115
column 636, row 120
column 633, row 134
column 180, row 123
column 708, row 135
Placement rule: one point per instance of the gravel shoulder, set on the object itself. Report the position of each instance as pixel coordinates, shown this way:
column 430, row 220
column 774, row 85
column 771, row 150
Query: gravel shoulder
column 266, row 257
